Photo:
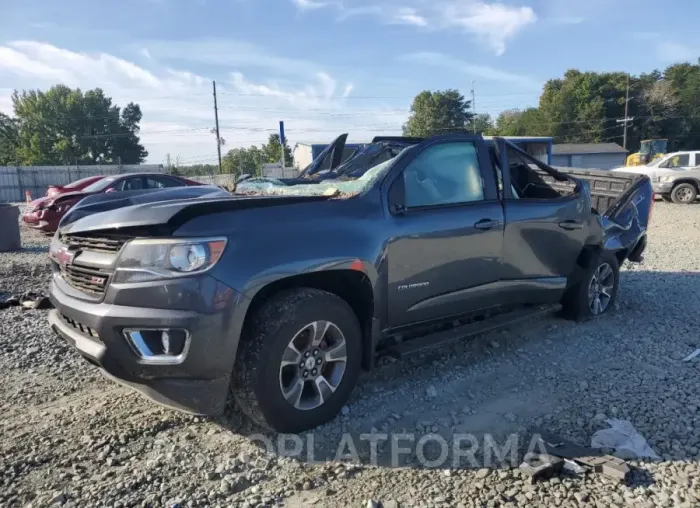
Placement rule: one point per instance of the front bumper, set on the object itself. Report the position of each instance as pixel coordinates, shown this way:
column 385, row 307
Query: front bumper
column 663, row 188
column 199, row 384
column 42, row 220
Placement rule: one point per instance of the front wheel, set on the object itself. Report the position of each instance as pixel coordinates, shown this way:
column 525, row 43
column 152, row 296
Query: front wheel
column 299, row 361
column 684, row 194
column 596, row 292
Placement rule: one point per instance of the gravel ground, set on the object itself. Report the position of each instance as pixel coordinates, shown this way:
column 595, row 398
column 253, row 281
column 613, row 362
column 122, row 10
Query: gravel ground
column 70, row 437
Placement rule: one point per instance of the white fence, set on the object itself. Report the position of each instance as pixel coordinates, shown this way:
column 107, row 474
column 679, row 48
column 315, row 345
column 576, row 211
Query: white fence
column 16, row 180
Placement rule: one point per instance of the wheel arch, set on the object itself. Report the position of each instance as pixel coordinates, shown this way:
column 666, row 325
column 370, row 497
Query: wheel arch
column 692, row 181
column 353, row 286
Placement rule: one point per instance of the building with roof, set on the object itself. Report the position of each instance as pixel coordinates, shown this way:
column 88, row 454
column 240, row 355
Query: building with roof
column 589, row 155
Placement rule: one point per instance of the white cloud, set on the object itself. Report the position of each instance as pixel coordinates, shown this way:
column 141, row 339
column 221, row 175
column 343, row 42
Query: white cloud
column 309, row 4
column 494, row 24
column 177, row 103
column 225, row 53
column 673, row 52
column 472, row 70
column 409, row 16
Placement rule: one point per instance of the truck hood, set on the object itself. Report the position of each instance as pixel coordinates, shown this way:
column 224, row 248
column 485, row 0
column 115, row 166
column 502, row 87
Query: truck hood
column 168, row 208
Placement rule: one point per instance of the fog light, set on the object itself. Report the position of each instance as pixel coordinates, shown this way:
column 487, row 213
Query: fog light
column 159, row 345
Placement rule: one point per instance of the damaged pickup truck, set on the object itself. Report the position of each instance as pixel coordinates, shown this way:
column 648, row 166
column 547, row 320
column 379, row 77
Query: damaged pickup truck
column 279, row 301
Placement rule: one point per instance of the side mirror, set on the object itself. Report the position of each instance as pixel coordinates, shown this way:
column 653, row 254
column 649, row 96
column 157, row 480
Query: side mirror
column 111, row 189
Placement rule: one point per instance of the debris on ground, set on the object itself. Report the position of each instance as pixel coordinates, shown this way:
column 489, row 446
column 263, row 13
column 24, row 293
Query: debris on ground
column 572, row 467
column 541, row 466
column 28, row 300
column 607, row 465
column 623, row 437
column 692, row 355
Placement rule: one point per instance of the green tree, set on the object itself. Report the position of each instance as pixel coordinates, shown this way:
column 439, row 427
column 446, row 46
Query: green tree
column 481, row 124
column 516, row 122
column 437, row 113
column 272, row 151
column 65, row 126
column 9, row 139
column 240, row 161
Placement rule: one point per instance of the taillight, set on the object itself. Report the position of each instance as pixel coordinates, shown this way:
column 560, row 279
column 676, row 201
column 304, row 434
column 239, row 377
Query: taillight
column 651, row 209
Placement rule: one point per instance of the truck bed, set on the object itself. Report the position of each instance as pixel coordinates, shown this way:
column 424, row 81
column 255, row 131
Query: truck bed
column 607, row 187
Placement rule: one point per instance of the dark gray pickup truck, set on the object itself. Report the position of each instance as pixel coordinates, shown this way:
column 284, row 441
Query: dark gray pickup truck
column 192, row 295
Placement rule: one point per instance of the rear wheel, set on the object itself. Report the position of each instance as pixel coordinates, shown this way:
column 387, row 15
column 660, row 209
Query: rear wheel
column 299, row 362
column 596, row 292
column 684, row 194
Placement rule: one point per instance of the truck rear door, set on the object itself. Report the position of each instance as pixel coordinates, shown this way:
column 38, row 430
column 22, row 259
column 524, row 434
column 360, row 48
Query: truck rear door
column 547, row 223
column 446, row 230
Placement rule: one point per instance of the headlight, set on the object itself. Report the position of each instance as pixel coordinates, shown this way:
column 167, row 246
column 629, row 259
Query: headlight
column 158, row 259
column 667, row 178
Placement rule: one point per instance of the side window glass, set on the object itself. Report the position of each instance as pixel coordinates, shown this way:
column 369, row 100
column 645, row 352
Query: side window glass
column 152, row 183
column 447, row 173
column 680, row 161
column 118, row 186
column 133, row 184
column 164, row 181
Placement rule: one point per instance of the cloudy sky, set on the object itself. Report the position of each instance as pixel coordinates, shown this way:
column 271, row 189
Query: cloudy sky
column 323, row 66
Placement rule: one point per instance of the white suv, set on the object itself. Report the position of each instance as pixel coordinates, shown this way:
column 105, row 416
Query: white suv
column 675, row 177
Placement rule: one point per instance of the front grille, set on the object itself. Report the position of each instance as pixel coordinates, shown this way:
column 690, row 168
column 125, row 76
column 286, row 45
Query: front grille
column 84, row 329
column 89, row 280
column 95, row 244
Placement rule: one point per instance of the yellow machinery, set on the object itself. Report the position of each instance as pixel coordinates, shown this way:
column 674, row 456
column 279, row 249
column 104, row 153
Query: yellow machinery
column 650, row 149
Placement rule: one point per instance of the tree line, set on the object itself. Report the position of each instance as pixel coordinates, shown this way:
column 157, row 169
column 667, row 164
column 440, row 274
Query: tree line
column 581, row 107
column 240, row 161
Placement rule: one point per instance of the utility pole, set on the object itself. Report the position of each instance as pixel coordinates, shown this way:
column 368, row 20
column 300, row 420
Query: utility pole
column 627, row 119
column 216, row 116
column 473, row 108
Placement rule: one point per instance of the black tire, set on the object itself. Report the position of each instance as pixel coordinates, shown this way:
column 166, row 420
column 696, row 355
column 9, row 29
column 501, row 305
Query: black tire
column 684, row 194
column 257, row 377
column 576, row 303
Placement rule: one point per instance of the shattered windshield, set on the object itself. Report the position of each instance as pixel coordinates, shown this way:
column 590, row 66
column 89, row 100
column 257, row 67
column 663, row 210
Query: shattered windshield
column 327, row 188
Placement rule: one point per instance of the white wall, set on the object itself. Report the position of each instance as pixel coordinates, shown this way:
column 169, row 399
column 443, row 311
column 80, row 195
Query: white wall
column 302, row 156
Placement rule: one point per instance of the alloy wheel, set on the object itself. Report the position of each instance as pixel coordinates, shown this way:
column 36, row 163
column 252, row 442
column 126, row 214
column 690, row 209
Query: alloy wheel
column 313, row 365
column 684, row 194
column 600, row 289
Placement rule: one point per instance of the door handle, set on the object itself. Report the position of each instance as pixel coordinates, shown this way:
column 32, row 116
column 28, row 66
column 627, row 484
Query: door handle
column 486, row 224
column 570, row 225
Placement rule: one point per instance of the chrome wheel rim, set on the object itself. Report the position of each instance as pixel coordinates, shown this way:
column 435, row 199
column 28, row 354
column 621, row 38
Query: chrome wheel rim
column 313, row 365
column 684, row 194
column 600, row 289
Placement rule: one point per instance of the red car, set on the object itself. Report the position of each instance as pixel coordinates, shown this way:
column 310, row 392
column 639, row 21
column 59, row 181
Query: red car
column 55, row 190
column 44, row 214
